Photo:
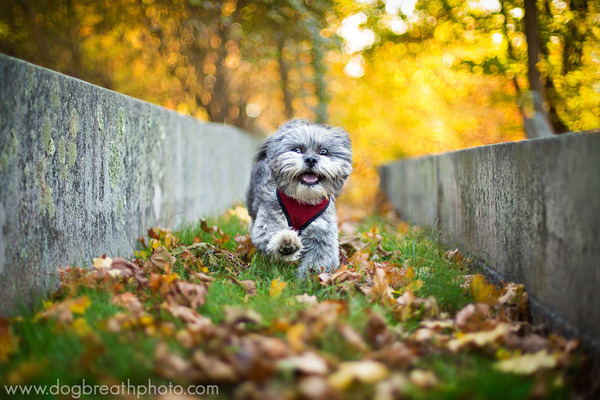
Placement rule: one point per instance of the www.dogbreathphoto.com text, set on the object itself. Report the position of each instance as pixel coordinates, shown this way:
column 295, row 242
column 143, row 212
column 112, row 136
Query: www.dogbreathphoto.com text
column 124, row 389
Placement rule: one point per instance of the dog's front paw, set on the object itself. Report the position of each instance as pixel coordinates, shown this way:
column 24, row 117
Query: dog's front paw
column 285, row 245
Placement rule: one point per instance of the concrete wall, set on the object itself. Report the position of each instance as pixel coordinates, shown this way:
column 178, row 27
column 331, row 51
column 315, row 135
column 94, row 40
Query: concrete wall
column 85, row 171
column 530, row 210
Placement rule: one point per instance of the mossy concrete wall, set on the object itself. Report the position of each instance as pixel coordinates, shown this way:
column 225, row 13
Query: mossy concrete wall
column 85, row 171
column 530, row 210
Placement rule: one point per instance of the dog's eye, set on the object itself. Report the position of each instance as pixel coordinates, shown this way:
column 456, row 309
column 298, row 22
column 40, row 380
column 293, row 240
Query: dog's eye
column 323, row 152
column 297, row 150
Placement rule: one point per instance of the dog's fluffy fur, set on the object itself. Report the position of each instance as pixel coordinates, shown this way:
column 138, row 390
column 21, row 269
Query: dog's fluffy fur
column 308, row 163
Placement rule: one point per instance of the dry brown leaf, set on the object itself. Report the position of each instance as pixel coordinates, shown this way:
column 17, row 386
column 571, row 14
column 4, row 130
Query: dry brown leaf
column 396, row 355
column 189, row 294
column 272, row 347
column 237, row 315
column 214, row 369
column 316, row 388
column 306, row 299
column 306, row 363
column 129, row 301
column 160, row 261
column 475, row 317
column 454, row 256
column 424, row 379
column 480, row 339
column 381, row 292
column 365, row 371
column 376, row 332
column 173, row 366
column 351, row 336
column 250, row 287
column 195, row 321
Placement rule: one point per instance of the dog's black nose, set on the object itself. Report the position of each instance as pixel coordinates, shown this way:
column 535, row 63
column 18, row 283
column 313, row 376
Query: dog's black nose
column 310, row 161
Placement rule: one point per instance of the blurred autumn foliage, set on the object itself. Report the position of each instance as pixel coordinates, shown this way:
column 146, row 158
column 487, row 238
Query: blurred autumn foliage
column 404, row 77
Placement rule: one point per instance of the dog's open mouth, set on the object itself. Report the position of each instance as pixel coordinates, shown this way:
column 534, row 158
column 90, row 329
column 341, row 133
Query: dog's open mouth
column 309, row 178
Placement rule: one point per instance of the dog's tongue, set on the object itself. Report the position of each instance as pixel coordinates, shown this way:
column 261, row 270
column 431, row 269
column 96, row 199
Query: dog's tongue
column 309, row 178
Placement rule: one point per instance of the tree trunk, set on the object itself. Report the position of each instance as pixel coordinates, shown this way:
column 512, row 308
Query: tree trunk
column 537, row 123
column 284, row 78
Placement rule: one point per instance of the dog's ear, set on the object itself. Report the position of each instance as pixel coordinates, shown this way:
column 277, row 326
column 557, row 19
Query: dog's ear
column 261, row 152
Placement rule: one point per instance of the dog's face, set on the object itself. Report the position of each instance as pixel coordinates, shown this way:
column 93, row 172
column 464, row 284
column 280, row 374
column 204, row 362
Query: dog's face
column 309, row 162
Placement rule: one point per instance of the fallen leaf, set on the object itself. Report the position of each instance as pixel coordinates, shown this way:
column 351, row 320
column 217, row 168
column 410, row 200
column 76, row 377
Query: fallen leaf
column 277, row 287
column 185, row 293
column 306, row 363
column 315, row 387
column 424, row 379
column 9, row 343
column 482, row 291
column 365, row 371
column 214, row 369
column 396, row 355
column 324, row 278
column 351, row 336
column 26, row 371
column 126, row 269
column 160, row 261
column 479, row 339
column 63, row 311
column 306, row 299
column 102, row 262
column 454, row 256
column 475, row 317
column 295, row 336
column 81, row 327
column 173, row 366
column 195, row 321
column 238, row 315
column 527, row 364
column 250, row 287
column 129, row 301
column 381, row 292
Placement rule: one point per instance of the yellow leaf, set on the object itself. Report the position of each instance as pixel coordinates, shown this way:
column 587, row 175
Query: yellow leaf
column 277, row 287
column 80, row 327
column 295, row 336
column 26, row 371
column 79, row 305
column 140, row 254
column 479, row 339
column 8, row 341
column 410, row 274
column 482, row 291
column 527, row 364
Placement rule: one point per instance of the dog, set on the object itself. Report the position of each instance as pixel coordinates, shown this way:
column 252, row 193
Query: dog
column 297, row 174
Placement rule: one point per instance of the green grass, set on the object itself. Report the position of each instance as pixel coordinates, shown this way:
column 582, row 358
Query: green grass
column 60, row 352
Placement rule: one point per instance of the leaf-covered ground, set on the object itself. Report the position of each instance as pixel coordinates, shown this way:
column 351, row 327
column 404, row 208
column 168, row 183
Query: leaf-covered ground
column 402, row 318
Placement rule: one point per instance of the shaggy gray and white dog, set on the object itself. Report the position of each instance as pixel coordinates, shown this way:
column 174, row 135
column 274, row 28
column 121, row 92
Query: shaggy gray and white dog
column 297, row 174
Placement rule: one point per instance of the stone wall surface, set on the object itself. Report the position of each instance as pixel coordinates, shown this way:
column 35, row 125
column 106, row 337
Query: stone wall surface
column 85, row 171
column 530, row 210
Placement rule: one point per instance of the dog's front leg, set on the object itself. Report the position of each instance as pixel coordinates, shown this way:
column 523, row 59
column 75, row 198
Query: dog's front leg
column 272, row 236
column 319, row 255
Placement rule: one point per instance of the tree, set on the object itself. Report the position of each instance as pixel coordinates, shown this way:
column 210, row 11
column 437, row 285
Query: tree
column 548, row 49
column 221, row 61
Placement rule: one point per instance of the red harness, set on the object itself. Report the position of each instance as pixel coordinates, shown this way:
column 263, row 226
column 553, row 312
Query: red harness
column 300, row 215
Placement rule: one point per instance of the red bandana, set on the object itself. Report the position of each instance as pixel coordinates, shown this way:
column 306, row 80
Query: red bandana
column 299, row 215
